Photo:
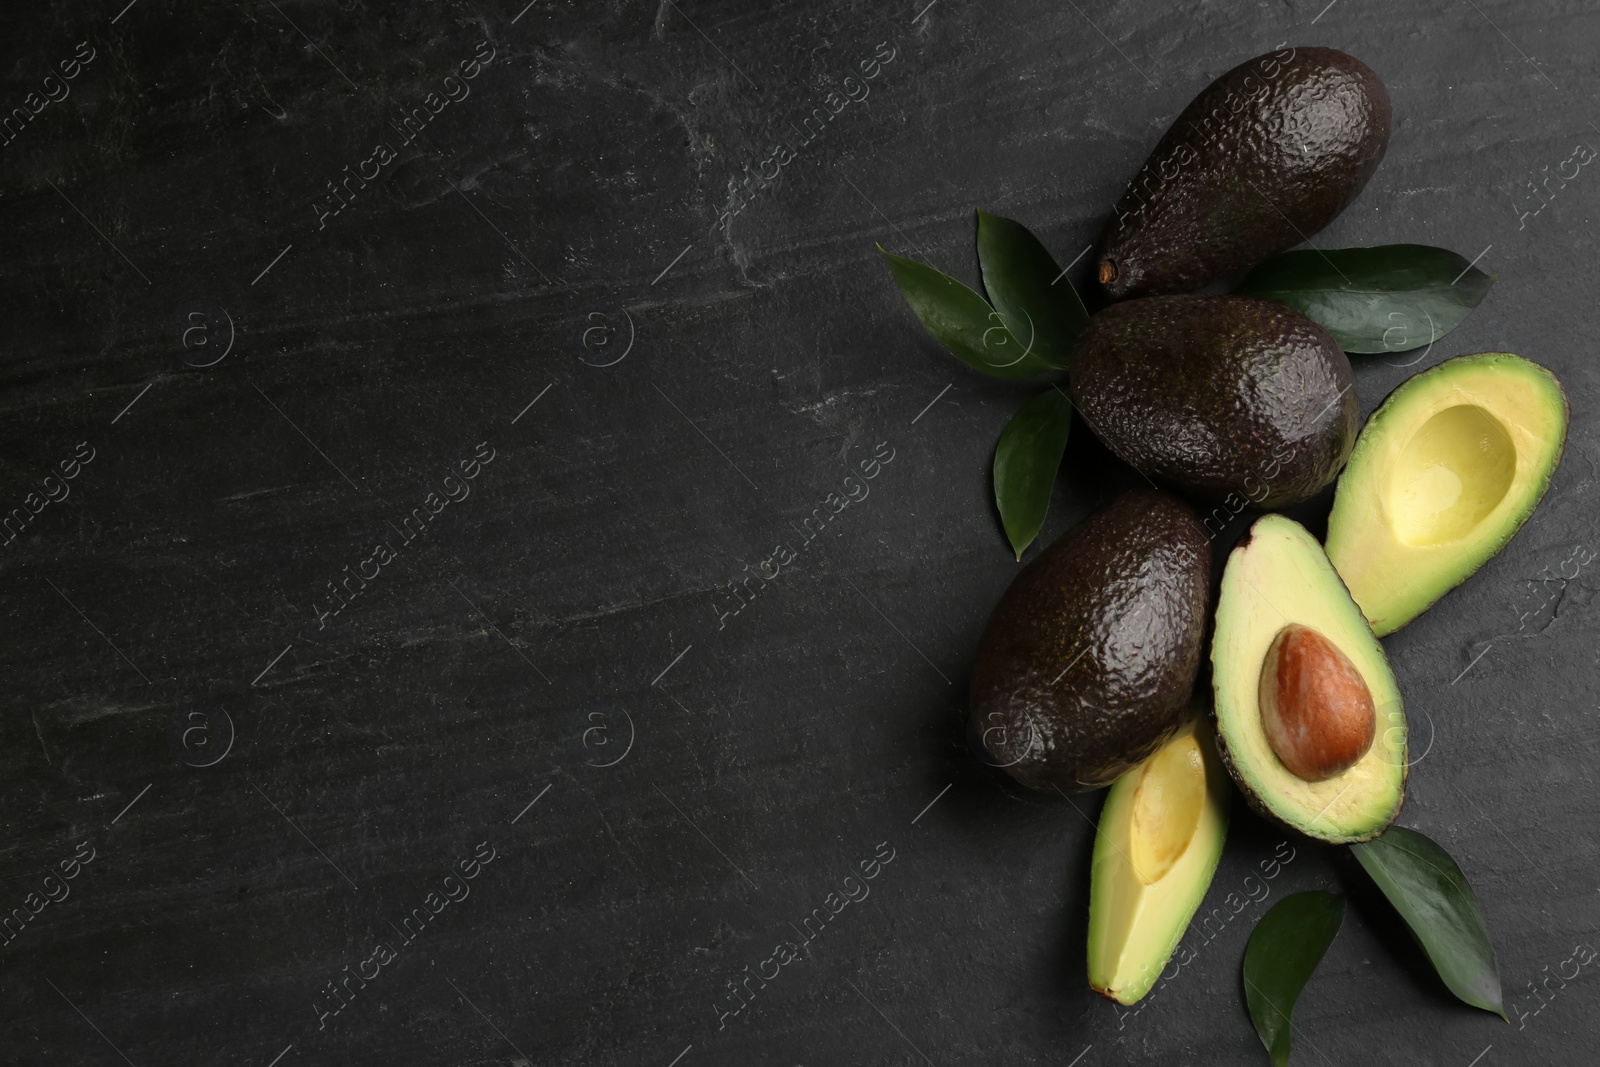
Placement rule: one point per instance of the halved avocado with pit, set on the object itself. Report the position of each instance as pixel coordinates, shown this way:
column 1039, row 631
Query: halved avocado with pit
column 1159, row 841
column 1445, row 472
column 1279, row 584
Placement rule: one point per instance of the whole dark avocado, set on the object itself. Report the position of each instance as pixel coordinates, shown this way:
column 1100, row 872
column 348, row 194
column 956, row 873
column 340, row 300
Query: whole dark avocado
column 1088, row 661
column 1263, row 158
column 1238, row 401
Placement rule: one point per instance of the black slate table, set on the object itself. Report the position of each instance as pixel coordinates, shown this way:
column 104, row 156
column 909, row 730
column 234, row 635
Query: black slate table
column 388, row 683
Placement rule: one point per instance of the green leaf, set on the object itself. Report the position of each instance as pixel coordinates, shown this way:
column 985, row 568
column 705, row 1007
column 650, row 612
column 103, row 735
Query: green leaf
column 1028, row 289
column 1285, row 947
column 963, row 321
column 1384, row 299
column 1433, row 897
column 1026, row 459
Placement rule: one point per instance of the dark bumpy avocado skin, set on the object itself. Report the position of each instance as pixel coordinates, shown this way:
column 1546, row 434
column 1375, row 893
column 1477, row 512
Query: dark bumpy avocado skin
column 1088, row 661
column 1237, row 400
column 1261, row 160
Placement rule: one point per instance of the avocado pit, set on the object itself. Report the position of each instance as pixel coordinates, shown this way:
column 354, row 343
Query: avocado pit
column 1316, row 709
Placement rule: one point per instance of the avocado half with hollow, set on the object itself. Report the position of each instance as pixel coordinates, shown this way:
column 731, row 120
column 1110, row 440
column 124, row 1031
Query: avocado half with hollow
column 1160, row 837
column 1447, row 469
column 1309, row 719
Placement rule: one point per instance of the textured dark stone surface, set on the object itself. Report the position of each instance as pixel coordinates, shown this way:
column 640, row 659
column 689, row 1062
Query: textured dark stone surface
column 578, row 594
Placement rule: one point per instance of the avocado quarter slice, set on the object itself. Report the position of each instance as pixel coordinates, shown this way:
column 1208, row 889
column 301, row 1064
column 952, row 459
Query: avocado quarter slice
column 1157, row 848
column 1278, row 577
column 1443, row 475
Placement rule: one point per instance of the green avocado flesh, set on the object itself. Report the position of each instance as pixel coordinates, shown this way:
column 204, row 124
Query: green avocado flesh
column 1159, row 841
column 1279, row 575
column 1445, row 472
